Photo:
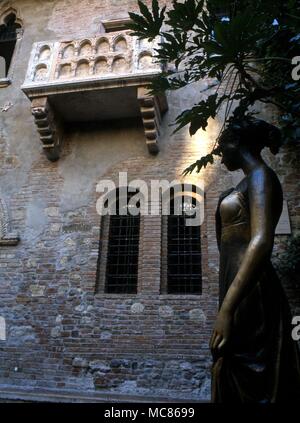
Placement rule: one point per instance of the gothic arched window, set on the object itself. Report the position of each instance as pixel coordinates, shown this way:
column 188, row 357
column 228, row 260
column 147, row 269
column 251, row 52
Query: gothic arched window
column 8, row 39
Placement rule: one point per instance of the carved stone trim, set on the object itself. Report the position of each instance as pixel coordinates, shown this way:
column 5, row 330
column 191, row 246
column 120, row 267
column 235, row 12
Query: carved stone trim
column 7, row 10
column 7, row 237
column 48, row 126
column 151, row 109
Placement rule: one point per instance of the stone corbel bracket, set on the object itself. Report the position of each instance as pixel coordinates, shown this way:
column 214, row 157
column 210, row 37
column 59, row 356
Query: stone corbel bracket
column 151, row 108
column 48, row 126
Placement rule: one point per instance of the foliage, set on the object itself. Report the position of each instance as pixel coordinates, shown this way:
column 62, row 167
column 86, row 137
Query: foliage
column 247, row 48
column 289, row 264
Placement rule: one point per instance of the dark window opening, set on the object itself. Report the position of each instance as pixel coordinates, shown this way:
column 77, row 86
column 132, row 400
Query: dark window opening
column 184, row 253
column 221, row 11
column 122, row 253
column 8, row 39
column 117, row 25
column 116, row 29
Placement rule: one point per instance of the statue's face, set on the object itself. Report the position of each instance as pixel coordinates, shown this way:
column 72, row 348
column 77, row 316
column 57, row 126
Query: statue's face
column 230, row 156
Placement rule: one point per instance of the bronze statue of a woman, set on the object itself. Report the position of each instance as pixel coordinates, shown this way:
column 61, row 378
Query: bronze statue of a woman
column 254, row 356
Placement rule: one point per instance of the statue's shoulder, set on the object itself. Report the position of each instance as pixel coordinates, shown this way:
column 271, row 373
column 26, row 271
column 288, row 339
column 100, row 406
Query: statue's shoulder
column 263, row 175
column 264, row 181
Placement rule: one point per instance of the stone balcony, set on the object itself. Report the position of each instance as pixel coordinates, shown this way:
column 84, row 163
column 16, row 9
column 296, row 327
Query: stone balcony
column 90, row 80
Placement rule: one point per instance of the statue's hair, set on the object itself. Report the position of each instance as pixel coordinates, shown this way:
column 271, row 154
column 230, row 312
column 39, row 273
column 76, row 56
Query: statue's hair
column 254, row 133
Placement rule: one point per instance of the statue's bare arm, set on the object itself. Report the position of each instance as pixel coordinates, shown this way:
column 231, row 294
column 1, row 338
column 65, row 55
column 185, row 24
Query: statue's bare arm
column 262, row 192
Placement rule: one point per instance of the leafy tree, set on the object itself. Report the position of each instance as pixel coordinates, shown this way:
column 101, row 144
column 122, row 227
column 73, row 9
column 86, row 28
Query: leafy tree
column 288, row 264
column 246, row 45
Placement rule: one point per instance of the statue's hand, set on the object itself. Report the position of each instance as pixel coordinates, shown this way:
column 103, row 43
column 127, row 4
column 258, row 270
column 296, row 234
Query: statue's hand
column 221, row 332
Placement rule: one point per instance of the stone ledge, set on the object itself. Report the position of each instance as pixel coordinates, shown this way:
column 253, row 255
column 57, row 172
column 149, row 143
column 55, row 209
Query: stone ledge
column 61, row 396
column 4, row 82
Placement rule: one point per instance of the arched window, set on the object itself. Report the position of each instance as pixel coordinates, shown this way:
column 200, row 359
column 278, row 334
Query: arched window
column 119, row 248
column 183, row 273
column 8, row 38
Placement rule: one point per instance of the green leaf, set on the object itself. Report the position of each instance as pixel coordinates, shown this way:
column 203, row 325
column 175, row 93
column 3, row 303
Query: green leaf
column 147, row 25
column 199, row 164
column 184, row 15
column 173, row 48
column 212, row 47
column 155, row 8
column 145, row 11
column 257, row 53
column 198, row 116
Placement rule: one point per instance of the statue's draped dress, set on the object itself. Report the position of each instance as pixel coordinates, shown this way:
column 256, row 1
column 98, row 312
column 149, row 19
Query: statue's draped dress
column 261, row 362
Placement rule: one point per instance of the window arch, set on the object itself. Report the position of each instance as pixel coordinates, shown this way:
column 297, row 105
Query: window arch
column 119, row 247
column 9, row 29
column 182, row 255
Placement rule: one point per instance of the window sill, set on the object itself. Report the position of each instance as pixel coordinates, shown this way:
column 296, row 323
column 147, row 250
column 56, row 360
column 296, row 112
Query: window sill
column 142, row 295
column 4, row 82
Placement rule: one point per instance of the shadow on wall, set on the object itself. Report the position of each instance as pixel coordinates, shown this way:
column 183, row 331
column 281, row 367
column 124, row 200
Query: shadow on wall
column 88, row 127
column 101, row 145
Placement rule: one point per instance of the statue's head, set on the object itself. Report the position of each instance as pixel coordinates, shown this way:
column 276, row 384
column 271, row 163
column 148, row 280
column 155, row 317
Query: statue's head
column 248, row 134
